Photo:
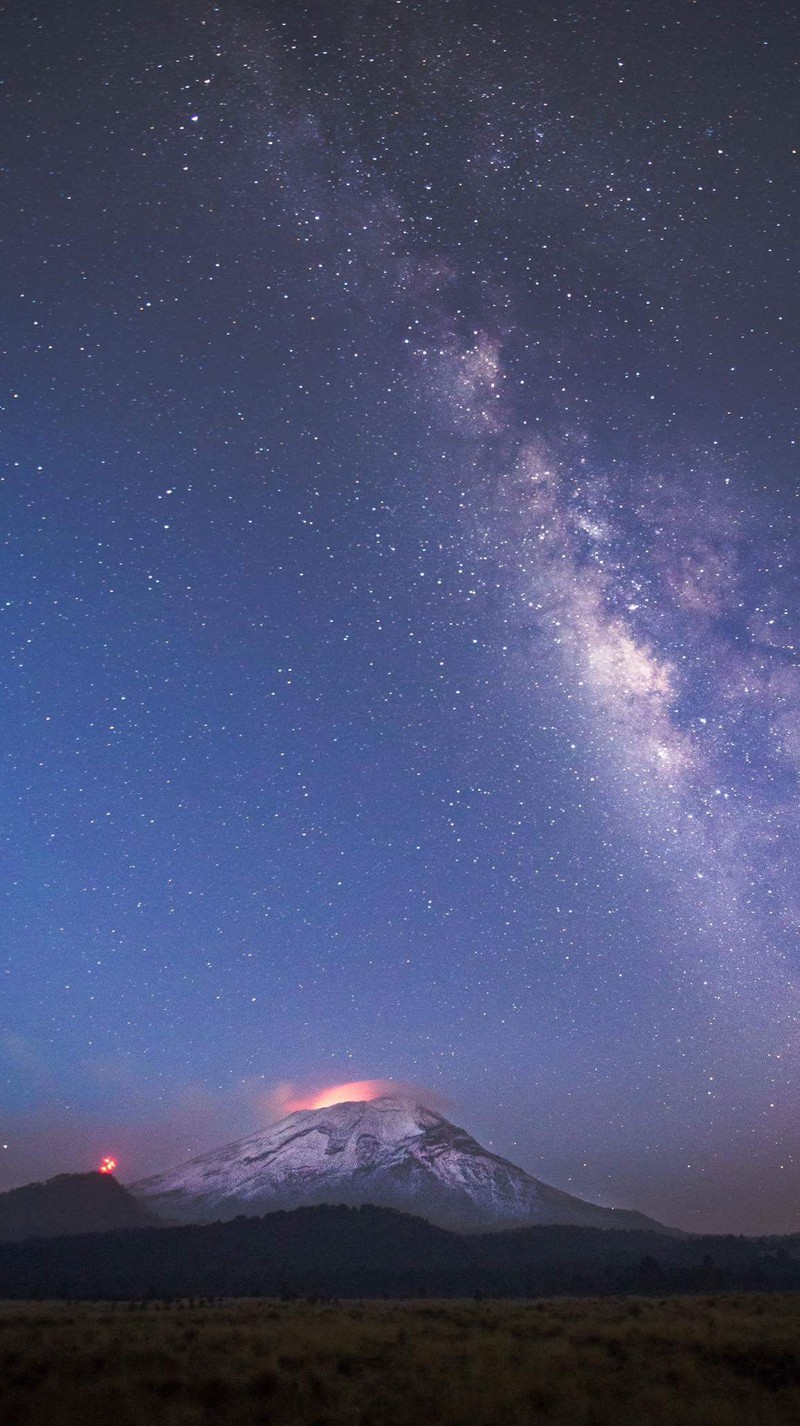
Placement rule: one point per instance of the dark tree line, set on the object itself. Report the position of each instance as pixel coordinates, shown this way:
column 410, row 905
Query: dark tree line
column 375, row 1252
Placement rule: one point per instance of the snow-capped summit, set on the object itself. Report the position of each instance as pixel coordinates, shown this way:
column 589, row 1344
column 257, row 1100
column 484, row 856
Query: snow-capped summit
column 388, row 1151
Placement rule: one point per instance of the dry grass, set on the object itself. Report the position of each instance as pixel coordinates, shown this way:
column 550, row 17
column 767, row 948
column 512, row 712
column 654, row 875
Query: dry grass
column 724, row 1361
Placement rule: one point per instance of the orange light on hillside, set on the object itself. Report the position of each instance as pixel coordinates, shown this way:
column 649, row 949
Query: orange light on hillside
column 107, row 1165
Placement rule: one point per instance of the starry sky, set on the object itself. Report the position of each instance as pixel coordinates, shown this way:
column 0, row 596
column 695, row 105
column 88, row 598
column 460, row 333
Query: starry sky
column 399, row 618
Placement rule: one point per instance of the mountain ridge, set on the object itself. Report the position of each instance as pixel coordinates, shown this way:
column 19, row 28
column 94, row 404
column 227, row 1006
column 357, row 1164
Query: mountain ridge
column 70, row 1203
column 372, row 1252
column 390, row 1151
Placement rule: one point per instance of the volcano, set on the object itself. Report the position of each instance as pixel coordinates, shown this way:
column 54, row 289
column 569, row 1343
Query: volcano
column 387, row 1151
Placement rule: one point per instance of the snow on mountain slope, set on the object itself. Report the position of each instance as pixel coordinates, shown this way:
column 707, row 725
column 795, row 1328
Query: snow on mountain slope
column 388, row 1151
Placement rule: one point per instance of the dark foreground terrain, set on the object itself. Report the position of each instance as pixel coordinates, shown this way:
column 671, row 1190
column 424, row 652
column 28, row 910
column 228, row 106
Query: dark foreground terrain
column 376, row 1252
column 700, row 1361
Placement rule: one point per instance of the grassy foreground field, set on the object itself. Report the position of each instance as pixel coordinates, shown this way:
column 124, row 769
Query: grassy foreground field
column 714, row 1361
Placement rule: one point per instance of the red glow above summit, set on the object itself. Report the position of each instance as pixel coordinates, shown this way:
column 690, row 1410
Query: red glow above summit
column 107, row 1164
column 357, row 1089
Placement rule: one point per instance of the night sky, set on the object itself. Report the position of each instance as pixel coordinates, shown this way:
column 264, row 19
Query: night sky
column 399, row 611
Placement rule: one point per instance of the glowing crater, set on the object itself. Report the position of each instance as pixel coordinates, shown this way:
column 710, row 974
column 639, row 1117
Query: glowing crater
column 355, row 1090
